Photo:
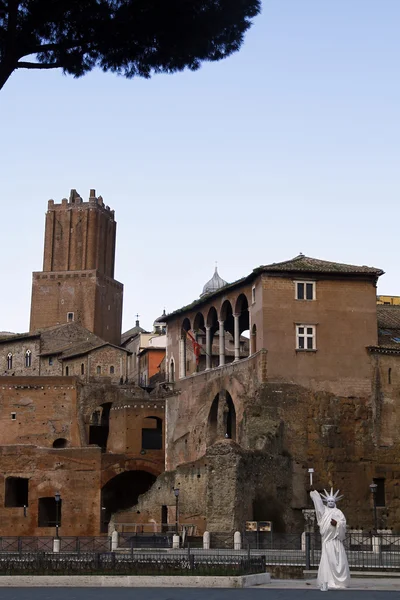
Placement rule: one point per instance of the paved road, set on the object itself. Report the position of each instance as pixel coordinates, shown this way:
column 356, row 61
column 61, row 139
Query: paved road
column 190, row 594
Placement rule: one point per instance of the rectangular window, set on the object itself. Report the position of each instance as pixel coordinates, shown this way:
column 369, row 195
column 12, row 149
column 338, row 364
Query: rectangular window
column 305, row 290
column 70, row 317
column 380, row 492
column 50, row 361
column 305, row 337
column 253, row 294
column 16, row 492
column 13, row 416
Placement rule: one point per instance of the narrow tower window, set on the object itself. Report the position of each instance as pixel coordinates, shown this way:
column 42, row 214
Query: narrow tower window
column 82, row 369
column 28, row 358
column 9, row 360
column 389, row 376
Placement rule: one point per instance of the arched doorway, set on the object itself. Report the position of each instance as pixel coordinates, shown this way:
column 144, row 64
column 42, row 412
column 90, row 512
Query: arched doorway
column 122, row 492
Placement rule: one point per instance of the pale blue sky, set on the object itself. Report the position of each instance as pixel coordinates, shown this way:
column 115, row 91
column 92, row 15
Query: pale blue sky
column 292, row 145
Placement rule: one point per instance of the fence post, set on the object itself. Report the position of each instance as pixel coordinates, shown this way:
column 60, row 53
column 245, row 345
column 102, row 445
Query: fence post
column 308, row 549
column 206, row 540
column 237, row 540
column 114, row 541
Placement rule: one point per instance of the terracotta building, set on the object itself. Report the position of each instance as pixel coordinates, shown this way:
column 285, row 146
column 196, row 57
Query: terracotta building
column 318, row 389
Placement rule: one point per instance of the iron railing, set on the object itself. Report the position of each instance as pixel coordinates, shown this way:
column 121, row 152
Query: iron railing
column 42, row 563
column 77, row 544
column 145, row 540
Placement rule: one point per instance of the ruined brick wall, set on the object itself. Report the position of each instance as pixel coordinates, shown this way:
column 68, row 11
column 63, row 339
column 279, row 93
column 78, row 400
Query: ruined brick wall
column 188, row 412
column 191, row 479
column 45, row 410
column 75, row 473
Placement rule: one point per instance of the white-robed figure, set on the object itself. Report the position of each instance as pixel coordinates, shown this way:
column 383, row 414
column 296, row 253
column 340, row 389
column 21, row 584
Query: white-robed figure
column 333, row 568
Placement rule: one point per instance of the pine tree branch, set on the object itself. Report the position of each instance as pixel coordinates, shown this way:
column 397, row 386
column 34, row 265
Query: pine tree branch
column 29, row 65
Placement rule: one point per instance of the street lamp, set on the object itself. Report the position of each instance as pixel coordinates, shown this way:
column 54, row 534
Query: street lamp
column 176, row 492
column 373, row 488
column 57, row 497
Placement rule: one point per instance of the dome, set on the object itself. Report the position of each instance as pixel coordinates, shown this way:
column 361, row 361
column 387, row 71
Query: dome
column 215, row 283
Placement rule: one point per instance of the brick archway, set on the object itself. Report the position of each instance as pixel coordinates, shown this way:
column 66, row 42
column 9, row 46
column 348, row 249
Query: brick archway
column 123, row 465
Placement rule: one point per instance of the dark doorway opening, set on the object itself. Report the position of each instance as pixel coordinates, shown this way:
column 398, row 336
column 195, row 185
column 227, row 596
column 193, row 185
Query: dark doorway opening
column 47, row 512
column 122, row 492
column 152, row 434
column 60, row 443
column 100, row 426
column 16, row 492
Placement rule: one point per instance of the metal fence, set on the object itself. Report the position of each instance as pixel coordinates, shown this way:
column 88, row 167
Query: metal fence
column 42, row 563
column 32, row 544
column 145, row 540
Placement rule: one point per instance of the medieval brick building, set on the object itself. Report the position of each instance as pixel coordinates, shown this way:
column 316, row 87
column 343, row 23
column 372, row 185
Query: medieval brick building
column 71, row 418
column 320, row 388
column 293, row 366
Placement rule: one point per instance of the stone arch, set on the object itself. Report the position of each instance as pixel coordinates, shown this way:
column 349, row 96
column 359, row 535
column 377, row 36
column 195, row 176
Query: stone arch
column 212, row 318
column 99, row 425
column 226, row 315
column 122, row 491
column 221, row 418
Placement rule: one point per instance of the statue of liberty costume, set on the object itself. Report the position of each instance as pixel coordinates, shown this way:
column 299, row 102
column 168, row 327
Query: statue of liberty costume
column 333, row 569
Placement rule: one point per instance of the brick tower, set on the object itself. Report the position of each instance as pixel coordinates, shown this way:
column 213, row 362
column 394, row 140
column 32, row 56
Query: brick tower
column 77, row 282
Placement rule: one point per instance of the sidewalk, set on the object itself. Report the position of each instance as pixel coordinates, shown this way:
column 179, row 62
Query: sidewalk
column 357, row 583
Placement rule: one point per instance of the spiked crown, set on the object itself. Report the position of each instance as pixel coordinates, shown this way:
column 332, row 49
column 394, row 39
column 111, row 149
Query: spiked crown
column 331, row 497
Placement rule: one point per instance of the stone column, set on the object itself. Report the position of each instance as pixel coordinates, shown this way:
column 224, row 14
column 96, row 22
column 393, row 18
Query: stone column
column 208, row 348
column 237, row 336
column 221, row 343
